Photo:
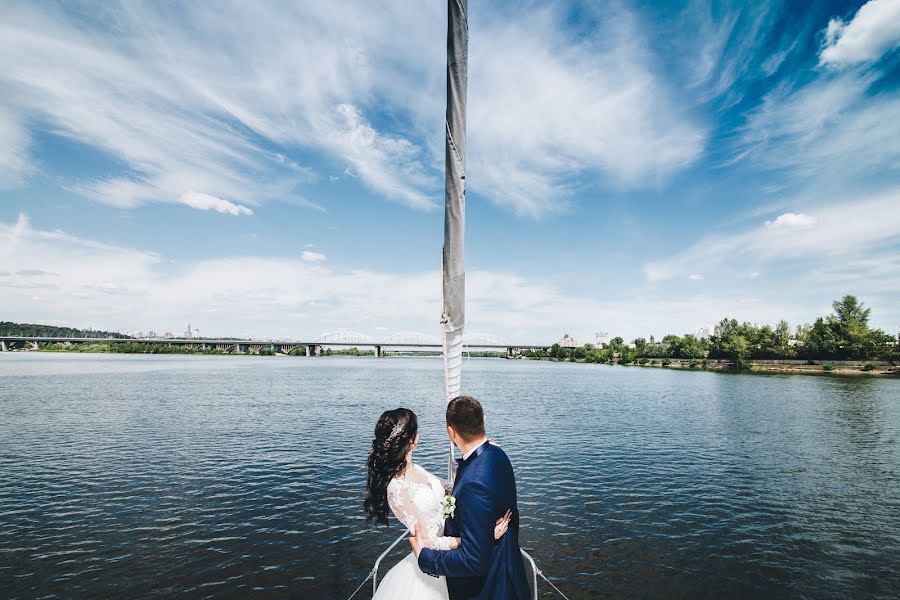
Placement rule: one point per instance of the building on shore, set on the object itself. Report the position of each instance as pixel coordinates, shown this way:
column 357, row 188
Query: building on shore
column 706, row 332
column 568, row 342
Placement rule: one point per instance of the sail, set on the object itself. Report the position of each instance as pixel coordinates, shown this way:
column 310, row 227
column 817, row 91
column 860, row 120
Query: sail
column 453, row 317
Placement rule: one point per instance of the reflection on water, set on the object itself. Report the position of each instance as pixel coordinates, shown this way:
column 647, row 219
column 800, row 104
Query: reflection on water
column 236, row 477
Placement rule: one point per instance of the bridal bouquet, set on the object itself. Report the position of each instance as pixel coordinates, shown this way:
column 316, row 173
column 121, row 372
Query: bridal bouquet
column 449, row 506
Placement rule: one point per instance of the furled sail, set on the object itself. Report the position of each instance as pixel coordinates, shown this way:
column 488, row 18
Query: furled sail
column 453, row 316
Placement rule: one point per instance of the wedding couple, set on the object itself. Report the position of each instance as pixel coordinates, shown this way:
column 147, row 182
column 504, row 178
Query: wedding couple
column 466, row 541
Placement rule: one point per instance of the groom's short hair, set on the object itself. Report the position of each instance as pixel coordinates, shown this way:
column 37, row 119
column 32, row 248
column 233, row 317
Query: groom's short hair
column 466, row 417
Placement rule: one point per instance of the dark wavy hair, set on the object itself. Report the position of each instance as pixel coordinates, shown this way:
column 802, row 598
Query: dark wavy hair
column 388, row 459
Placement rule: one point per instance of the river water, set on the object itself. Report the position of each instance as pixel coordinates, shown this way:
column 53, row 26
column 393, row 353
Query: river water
column 243, row 477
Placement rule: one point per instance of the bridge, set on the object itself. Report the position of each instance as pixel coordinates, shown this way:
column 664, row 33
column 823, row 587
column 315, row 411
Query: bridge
column 405, row 341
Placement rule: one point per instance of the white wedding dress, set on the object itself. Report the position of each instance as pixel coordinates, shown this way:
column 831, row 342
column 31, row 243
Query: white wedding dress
column 415, row 497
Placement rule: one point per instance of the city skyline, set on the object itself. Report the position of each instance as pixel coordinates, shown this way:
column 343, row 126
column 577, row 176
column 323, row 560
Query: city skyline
column 649, row 169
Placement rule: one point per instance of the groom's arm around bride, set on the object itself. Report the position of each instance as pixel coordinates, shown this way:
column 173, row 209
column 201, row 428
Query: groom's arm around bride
column 485, row 488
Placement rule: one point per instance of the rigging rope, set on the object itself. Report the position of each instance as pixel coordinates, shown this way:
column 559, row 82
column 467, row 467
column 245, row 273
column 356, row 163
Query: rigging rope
column 558, row 591
column 369, row 576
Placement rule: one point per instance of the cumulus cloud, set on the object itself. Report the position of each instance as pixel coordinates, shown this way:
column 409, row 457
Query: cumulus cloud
column 311, row 256
column 872, row 32
column 792, row 221
column 203, row 201
column 695, row 277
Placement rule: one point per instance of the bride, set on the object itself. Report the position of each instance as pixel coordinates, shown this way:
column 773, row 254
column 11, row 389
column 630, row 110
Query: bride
column 415, row 497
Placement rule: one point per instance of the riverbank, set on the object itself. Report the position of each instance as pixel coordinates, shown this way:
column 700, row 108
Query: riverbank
column 803, row 367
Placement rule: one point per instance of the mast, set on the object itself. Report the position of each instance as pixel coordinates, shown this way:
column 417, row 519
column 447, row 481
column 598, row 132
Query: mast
column 453, row 315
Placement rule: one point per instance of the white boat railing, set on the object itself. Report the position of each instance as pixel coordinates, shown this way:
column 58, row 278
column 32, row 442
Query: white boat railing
column 534, row 570
column 383, row 554
column 374, row 572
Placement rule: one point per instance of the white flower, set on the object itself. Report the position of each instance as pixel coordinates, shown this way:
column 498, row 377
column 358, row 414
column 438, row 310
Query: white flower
column 449, row 505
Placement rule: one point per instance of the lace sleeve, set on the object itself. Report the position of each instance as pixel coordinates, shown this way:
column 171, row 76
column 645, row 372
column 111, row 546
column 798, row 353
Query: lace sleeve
column 408, row 512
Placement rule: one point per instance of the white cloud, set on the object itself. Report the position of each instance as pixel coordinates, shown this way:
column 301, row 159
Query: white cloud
column 310, row 256
column 718, row 47
column 544, row 110
column 203, row 201
column 830, row 133
column 792, row 221
column 847, row 228
column 15, row 161
column 389, row 164
column 124, row 288
column 873, row 31
column 218, row 100
column 695, row 277
column 771, row 65
column 193, row 99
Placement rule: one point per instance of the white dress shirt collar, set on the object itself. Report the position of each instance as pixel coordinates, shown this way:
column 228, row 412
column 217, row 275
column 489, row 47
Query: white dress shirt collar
column 476, row 447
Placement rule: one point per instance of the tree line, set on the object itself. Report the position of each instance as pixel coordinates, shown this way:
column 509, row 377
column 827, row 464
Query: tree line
column 34, row 330
column 844, row 334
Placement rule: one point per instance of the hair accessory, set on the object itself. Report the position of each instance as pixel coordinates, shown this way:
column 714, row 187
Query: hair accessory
column 397, row 430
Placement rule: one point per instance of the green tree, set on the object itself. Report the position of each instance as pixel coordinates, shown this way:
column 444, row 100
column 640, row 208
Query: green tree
column 617, row 344
column 850, row 326
column 640, row 346
column 819, row 341
column 781, row 347
column 738, row 350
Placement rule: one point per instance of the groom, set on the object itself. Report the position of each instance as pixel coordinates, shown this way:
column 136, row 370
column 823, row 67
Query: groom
column 481, row 568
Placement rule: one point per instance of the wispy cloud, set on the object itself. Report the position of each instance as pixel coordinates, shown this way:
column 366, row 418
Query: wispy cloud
column 126, row 288
column 544, row 110
column 846, row 228
column 196, row 100
column 832, row 130
column 15, row 160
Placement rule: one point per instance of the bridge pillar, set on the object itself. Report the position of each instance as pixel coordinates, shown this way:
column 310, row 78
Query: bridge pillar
column 379, row 352
column 2, row 346
column 34, row 345
column 237, row 348
column 510, row 352
column 309, row 350
column 317, row 350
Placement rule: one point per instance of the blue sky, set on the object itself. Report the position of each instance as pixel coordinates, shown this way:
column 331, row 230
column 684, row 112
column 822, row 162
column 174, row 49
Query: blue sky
column 262, row 169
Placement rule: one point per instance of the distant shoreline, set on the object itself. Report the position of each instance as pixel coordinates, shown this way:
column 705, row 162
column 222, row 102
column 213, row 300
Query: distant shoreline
column 795, row 367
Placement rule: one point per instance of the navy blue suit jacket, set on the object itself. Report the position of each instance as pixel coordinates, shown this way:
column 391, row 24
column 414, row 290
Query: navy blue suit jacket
column 482, row 568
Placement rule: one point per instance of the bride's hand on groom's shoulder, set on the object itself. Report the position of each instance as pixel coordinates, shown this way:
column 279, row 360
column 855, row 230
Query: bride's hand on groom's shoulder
column 502, row 525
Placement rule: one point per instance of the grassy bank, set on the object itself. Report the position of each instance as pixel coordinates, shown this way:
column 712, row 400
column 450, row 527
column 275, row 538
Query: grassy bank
column 808, row 367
